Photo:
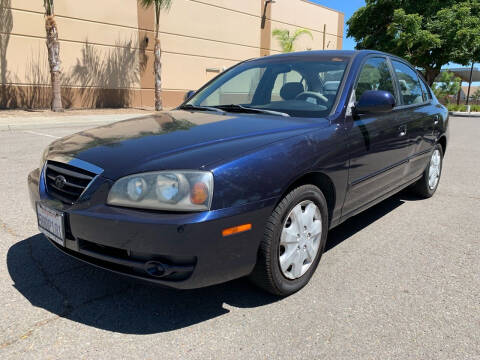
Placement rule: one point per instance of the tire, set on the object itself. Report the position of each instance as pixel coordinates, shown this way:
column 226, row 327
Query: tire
column 272, row 271
column 423, row 187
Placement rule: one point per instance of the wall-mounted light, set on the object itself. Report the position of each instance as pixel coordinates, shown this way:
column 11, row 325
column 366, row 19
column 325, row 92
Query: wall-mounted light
column 264, row 16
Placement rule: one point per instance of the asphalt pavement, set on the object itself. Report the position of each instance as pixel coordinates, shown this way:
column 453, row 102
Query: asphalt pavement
column 400, row 281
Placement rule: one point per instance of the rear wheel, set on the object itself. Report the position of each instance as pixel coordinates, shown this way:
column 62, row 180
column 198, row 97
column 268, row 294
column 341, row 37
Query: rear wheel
column 293, row 243
column 427, row 185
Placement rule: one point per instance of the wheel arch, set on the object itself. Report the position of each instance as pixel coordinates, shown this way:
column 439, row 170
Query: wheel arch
column 320, row 180
column 443, row 143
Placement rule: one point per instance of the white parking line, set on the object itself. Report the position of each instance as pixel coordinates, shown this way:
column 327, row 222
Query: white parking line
column 41, row 134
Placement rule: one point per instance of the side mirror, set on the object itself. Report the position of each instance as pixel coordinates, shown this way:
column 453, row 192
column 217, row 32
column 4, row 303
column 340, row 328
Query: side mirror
column 375, row 101
column 189, row 94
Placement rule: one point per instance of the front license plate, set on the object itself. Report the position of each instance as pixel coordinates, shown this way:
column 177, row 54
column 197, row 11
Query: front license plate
column 50, row 222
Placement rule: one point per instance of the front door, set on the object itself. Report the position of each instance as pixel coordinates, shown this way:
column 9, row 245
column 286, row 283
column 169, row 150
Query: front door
column 376, row 142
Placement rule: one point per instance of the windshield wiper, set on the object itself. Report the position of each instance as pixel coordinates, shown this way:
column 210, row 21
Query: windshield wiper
column 200, row 108
column 241, row 108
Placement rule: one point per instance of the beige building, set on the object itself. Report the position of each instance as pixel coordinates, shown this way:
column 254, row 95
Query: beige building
column 106, row 46
column 473, row 90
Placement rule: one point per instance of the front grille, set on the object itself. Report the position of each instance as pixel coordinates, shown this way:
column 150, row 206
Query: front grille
column 66, row 182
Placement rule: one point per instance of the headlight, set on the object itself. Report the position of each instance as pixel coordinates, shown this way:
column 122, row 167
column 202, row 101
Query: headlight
column 43, row 159
column 182, row 190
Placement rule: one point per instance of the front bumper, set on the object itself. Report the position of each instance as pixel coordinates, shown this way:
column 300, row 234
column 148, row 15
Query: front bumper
column 188, row 248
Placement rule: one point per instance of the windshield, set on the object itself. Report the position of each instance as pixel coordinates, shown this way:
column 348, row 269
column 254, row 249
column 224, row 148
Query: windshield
column 304, row 88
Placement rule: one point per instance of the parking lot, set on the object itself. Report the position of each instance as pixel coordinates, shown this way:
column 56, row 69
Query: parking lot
column 401, row 280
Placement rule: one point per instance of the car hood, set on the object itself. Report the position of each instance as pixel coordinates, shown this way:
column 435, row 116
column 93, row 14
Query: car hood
column 176, row 140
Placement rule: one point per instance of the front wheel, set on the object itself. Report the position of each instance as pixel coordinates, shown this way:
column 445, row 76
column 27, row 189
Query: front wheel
column 293, row 243
column 427, row 185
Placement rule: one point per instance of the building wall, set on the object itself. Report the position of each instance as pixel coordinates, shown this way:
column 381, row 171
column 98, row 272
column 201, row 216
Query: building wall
column 107, row 49
column 464, row 92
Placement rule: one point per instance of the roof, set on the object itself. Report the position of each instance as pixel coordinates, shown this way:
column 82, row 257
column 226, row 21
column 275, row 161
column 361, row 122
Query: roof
column 333, row 53
column 464, row 73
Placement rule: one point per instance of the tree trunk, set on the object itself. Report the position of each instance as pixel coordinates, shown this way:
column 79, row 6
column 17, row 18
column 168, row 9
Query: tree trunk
column 158, row 75
column 53, row 47
column 431, row 75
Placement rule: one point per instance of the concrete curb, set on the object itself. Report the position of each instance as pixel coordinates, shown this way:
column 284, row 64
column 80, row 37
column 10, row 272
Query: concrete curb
column 15, row 123
column 465, row 114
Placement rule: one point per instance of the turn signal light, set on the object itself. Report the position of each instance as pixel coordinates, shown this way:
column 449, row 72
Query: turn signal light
column 199, row 193
column 236, row 229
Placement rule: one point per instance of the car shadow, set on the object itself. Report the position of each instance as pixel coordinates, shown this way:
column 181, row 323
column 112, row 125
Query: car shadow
column 82, row 293
column 364, row 219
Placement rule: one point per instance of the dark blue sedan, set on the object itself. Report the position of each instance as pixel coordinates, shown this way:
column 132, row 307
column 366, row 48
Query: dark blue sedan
column 248, row 175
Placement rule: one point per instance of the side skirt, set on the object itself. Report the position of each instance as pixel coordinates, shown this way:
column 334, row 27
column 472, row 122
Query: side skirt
column 374, row 202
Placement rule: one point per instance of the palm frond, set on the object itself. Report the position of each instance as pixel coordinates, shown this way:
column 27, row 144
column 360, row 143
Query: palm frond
column 286, row 40
column 159, row 4
column 280, row 33
column 299, row 32
column 283, row 37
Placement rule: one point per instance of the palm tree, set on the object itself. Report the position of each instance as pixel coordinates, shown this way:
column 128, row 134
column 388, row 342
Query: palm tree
column 159, row 6
column 286, row 40
column 53, row 47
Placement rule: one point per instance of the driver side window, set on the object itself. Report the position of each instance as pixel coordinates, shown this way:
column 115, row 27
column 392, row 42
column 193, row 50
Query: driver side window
column 375, row 75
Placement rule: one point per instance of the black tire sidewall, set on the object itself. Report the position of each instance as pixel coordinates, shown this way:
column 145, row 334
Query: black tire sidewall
column 306, row 192
column 428, row 190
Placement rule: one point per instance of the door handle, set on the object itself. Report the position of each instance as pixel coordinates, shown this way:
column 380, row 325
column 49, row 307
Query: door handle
column 403, row 130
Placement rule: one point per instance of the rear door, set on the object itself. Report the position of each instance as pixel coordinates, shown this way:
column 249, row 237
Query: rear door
column 416, row 115
column 376, row 147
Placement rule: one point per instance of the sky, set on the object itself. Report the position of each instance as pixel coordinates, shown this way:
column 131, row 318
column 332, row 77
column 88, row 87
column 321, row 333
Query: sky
column 348, row 7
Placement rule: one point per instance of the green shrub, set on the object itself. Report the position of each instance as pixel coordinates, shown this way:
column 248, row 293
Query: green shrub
column 455, row 107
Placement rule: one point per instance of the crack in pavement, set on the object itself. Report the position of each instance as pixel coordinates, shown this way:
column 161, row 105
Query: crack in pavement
column 29, row 332
column 39, row 324
column 67, row 311
column 101, row 297
column 49, row 281
column 4, row 226
column 68, row 308
column 467, row 196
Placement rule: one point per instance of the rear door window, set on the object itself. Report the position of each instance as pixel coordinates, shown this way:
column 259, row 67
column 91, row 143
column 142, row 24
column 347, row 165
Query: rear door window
column 410, row 88
column 426, row 92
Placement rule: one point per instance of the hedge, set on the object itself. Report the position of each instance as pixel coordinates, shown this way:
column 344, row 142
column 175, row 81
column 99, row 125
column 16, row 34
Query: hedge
column 454, row 107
